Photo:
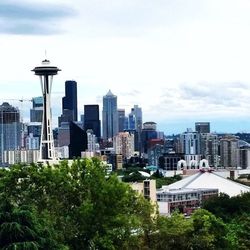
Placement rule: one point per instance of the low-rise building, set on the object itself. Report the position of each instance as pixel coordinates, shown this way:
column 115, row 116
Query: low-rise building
column 146, row 188
column 186, row 200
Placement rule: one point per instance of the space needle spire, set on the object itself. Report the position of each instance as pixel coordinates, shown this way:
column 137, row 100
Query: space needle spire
column 46, row 73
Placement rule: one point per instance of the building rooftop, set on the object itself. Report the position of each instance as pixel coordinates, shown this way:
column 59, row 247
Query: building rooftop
column 210, row 180
column 109, row 93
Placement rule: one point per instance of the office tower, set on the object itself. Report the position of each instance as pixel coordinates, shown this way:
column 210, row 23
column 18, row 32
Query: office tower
column 92, row 120
column 135, row 118
column 124, row 144
column 135, row 122
column 109, row 116
column 148, row 132
column 10, row 129
column 32, row 140
column 78, row 140
column 131, row 121
column 202, row 127
column 46, row 73
column 36, row 113
column 121, row 120
column 69, row 103
column 63, row 135
column 229, row 151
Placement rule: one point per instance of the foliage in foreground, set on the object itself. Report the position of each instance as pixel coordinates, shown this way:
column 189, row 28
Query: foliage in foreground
column 79, row 207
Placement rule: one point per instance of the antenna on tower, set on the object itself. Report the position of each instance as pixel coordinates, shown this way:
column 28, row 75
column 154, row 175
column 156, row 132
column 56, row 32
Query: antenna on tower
column 45, row 61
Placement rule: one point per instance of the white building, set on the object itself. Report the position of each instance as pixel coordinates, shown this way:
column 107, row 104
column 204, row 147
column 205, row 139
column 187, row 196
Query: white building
column 91, row 138
column 190, row 142
column 206, row 178
column 20, row 156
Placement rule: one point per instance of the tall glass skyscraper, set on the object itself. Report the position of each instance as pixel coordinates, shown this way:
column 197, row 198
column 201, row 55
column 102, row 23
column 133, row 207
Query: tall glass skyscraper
column 109, row 116
column 36, row 113
column 10, row 128
column 135, row 118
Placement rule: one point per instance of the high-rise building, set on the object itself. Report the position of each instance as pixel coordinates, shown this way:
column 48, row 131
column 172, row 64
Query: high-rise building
column 210, row 148
column 121, row 120
column 36, row 113
column 10, row 129
column 229, row 151
column 202, row 127
column 190, row 142
column 109, row 116
column 69, row 103
column 78, row 140
column 148, row 133
column 91, row 138
column 92, row 120
column 34, row 128
column 244, row 157
column 124, row 144
column 135, row 118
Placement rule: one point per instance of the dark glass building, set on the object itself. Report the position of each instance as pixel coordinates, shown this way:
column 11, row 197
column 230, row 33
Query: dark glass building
column 148, row 133
column 202, row 127
column 69, row 103
column 92, row 120
column 78, row 141
column 121, row 120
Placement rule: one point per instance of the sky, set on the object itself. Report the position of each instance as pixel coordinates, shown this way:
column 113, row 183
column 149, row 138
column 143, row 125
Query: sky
column 182, row 61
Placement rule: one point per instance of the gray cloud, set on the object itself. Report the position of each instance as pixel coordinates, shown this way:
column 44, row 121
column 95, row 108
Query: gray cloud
column 225, row 94
column 204, row 100
column 35, row 19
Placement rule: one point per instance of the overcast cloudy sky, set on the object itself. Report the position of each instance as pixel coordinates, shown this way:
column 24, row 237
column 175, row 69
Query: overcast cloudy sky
column 181, row 60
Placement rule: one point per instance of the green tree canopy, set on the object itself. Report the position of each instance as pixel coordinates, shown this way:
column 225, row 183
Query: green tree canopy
column 86, row 208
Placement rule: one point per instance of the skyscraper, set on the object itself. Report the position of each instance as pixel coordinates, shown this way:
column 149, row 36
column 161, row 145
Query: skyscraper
column 10, row 128
column 78, row 140
column 124, row 144
column 109, row 116
column 135, row 123
column 36, row 113
column 229, row 151
column 135, row 118
column 91, row 119
column 191, row 142
column 121, row 120
column 148, row 133
column 69, row 103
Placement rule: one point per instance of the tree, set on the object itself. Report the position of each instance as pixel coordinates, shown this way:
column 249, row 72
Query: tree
column 20, row 229
column 85, row 208
column 209, row 231
column 172, row 232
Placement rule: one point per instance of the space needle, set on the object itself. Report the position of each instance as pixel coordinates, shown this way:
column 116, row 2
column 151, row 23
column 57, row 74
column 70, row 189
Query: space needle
column 46, row 73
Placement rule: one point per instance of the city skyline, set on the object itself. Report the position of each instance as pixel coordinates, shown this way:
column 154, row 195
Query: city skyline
column 181, row 61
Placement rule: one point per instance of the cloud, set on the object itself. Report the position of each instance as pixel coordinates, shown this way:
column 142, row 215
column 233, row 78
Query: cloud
column 32, row 19
column 203, row 101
